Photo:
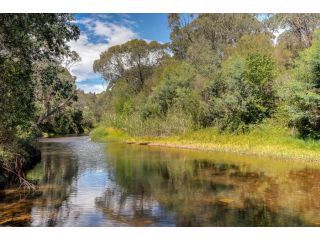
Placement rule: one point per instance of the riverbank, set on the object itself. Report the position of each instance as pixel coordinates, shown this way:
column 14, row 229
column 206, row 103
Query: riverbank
column 15, row 160
column 263, row 141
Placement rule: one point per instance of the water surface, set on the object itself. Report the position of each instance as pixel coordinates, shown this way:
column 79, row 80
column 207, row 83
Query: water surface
column 83, row 183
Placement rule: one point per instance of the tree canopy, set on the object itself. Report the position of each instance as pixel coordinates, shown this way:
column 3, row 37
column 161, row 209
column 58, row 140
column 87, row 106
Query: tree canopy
column 132, row 61
column 25, row 39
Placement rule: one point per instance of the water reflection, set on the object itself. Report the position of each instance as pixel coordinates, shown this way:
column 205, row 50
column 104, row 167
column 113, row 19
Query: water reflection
column 82, row 183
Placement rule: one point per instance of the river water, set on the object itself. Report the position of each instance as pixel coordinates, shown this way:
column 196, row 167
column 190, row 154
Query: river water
column 84, row 183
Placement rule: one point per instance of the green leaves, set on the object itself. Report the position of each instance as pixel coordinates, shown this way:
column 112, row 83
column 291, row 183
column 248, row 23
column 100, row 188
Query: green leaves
column 259, row 69
column 303, row 101
column 25, row 39
column 132, row 61
column 243, row 94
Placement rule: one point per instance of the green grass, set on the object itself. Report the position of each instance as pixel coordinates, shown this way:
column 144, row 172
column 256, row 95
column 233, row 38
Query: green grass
column 102, row 134
column 263, row 140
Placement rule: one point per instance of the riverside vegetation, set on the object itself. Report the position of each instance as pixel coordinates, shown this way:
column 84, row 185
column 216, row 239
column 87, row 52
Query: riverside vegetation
column 224, row 82
column 37, row 92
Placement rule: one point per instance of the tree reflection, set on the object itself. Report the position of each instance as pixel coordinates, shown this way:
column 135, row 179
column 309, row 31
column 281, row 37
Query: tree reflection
column 191, row 191
column 144, row 186
column 54, row 176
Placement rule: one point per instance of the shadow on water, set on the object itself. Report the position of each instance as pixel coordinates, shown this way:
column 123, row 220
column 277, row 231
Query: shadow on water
column 82, row 183
column 54, row 176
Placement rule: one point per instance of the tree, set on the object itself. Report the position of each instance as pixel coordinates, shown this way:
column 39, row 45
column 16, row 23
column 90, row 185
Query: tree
column 176, row 90
column 249, row 43
column 24, row 39
column 301, row 25
column 303, row 94
column 201, row 56
column 55, row 89
column 243, row 94
column 181, row 33
column 133, row 61
column 70, row 60
column 218, row 29
column 221, row 29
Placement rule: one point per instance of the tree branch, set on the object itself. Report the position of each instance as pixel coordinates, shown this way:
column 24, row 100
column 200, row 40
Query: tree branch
column 45, row 116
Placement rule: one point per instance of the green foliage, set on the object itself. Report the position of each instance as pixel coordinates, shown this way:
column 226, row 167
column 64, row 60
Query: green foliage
column 175, row 122
column 217, row 29
column 302, row 25
column 26, row 39
column 21, row 37
column 68, row 123
column 243, row 94
column 131, row 61
column 203, row 58
column 54, row 89
column 16, row 99
column 176, row 90
column 303, row 100
column 228, row 71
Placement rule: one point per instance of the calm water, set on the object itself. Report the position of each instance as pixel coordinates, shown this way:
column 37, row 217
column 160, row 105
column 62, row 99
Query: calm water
column 83, row 183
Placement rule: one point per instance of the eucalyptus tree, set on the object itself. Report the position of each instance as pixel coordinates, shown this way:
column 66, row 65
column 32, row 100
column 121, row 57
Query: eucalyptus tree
column 218, row 29
column 301, row 25
column 132, row 61
column 181, row 33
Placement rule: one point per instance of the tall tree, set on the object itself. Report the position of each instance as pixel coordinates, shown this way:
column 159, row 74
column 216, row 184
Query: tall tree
column 181, row 33
column 218, row 29
column 132, row 61
column 302, row 25
column 24, row 39
column 303, row 93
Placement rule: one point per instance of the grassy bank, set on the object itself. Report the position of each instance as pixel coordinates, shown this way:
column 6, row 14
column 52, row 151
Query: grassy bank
column 265, row 140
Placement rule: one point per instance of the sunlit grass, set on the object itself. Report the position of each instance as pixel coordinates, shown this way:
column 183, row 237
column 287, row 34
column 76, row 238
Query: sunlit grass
column 264, row 140
column 102, row 133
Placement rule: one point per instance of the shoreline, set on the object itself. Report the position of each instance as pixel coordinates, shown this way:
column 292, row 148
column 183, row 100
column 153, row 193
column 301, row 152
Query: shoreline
column 225, row 149
column 257, row 145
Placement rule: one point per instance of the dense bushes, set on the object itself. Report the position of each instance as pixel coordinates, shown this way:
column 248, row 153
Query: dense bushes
column 303, row 100
column 242, row 94
column 175, row 90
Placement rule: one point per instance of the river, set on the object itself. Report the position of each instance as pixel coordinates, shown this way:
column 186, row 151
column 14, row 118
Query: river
column 84, row 183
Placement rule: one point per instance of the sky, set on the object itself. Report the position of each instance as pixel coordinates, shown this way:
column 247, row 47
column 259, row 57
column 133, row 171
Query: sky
column 101, row 31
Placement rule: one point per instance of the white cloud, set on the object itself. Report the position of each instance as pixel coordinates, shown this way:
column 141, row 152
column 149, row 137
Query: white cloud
column 106, row 35
column 93, row 88
column 102, row 29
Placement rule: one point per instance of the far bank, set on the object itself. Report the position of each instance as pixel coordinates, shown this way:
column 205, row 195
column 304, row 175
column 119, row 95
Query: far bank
column 271, row 142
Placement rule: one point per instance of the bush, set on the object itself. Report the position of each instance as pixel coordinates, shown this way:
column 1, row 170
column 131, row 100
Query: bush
column 302, row 96
column 243, row 94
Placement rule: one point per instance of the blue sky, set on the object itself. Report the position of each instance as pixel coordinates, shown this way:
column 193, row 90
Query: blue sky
column 101, row 31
